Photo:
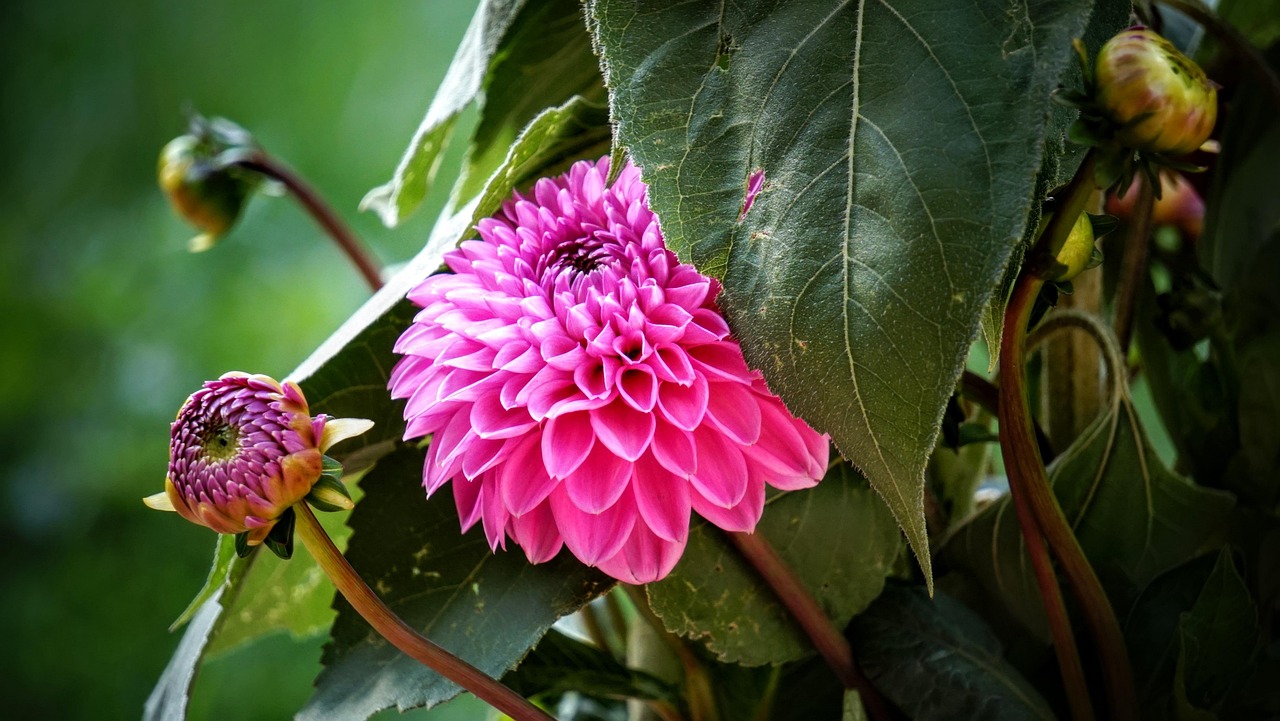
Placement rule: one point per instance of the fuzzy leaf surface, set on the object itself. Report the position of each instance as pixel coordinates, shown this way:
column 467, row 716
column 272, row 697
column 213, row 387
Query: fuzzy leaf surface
column 838, row 537
column 899, row 155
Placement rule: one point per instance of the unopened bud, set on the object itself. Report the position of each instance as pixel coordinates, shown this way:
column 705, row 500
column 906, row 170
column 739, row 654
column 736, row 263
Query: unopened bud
column 243, row 450
column 1158, row 98
column 199, row 177
column 1074, row 254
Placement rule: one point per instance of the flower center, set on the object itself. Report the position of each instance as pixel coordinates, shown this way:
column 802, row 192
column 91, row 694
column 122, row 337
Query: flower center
column 221, row 443
column 581, row 255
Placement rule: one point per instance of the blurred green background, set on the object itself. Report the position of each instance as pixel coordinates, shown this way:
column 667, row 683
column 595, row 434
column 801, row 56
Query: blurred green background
column 108, row 323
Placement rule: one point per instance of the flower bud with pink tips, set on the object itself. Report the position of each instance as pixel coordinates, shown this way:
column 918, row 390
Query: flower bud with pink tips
column 582, row 388
column 243, row 450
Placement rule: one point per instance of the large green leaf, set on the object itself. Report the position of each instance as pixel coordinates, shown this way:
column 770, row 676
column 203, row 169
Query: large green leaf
column 838, row 537
column 561, row 664
column 1151, row 628
column 487, row 608
column 938, row 661
column 1134, row 518
column 899, row 140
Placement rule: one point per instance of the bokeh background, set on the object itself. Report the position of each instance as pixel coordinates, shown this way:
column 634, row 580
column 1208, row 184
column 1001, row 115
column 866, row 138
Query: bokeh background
column 107, row 323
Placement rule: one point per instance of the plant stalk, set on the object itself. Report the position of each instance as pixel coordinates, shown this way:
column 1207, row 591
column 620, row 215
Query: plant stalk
column 1026, row 471
column 347, row 241
column 1133, row 264
column 400, row 634
column 796, row 598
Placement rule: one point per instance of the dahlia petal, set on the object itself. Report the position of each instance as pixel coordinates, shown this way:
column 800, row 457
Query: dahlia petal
column 593, row 537
column 644, row 558
column 670, row 363
column 662, row 499
column 566, row 441
column 494, row 517
column 791, row 454
column 537, row 534
column 721, row 477
column 674, row 449
column 523, row 481
column 735, row 410
column 483, row 454
column 466, row 496
column 742, row 516
column 684, row 406
column 638, row 386
column 622, row 429
column 490, row 420
column 723, row 359
column 598, row 481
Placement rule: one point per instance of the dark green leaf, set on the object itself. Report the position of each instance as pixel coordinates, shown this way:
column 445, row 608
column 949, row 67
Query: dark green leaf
column 484, row 40
column 938, row 661
column 1243, row 209
column 560, row 664
column 487, row 608
column 1133, row 516
column 1217, row 640
column 839, row 538
column 900, row 140
column 1151, row 629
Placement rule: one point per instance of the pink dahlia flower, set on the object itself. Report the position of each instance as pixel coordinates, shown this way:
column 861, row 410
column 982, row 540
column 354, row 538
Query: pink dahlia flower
column 243, row 450
column 582, row 389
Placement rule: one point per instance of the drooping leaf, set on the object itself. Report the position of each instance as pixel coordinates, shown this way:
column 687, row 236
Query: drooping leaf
column 462, row 83
column 936, row 660
column 517, row 59
column 545, row 60
column 839, row 538
column 488, row 608
column 899, row 154
column 1217, row 640
column 1134, row 518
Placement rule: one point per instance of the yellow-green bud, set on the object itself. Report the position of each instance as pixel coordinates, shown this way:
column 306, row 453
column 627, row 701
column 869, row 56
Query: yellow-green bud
column 1159, row 99
column 1074, row 255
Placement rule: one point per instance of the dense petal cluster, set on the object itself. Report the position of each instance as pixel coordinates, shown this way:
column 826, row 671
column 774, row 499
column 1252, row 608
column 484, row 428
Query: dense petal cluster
column 242, row 451
column 581, row 387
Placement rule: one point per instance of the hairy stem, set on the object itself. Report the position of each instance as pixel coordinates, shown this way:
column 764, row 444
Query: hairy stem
column 315, row 205
column 399, row 633
column 796, row 598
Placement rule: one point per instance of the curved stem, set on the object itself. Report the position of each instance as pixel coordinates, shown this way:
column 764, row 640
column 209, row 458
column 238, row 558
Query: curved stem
column 1026, row 471
column 347, row 240
column 827, row 639
column 987, row 394
column 1133, row 263
column 400, row 634
column 1021, row 460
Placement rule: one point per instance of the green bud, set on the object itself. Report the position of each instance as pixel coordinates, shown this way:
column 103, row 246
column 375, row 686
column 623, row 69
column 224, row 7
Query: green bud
column 1075, row 254
column 198, row 175
column 330, row 494
column 1159, row 99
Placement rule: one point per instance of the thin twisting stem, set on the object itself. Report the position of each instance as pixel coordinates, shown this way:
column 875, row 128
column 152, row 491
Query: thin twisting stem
column 827, row 639
column 400, row 634
column 347, row 240
column 1133, row 263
